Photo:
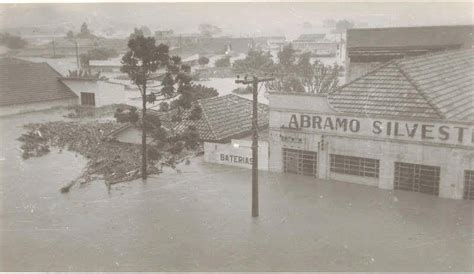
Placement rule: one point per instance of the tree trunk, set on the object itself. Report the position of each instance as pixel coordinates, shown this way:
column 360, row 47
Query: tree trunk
column 144, row 175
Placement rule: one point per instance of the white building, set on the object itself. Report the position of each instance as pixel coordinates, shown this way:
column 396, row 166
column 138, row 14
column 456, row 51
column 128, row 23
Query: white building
column 407, row 125
column 94, row 92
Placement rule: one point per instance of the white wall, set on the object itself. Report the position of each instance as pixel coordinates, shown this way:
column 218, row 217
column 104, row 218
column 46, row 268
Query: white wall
column 106, row 93
column 238, row 153
column 22, row 108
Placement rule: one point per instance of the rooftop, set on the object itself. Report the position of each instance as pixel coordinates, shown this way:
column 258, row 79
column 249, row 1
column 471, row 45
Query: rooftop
column 311, row 37
column 224, row 117
column 23, row 82
column 403, row 37
column 434, row 86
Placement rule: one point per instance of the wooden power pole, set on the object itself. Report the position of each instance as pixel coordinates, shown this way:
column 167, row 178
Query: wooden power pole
column 254, row 81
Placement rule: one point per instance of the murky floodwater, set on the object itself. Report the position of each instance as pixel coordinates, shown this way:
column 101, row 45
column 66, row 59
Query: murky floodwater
column 199, row 220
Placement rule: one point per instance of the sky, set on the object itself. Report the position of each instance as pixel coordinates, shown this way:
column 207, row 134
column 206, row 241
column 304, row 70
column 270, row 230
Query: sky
column 246, row 19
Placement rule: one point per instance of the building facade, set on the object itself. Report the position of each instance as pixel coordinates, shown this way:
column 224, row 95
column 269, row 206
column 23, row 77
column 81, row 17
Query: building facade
column 408, row 126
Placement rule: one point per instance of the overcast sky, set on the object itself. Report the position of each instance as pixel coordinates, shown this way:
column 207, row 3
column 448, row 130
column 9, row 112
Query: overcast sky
column 234, row 18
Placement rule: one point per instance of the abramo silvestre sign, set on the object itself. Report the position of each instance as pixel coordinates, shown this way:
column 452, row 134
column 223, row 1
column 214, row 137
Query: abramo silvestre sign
column 435, row 132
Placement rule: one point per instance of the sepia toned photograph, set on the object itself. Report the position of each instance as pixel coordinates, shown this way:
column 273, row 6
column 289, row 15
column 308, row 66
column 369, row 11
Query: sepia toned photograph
column 237, row 136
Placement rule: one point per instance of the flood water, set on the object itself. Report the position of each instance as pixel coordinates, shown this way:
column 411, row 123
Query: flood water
column 199, row 220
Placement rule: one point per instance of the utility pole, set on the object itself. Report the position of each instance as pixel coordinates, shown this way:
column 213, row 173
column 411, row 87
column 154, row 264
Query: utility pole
column 254, row 83
column 77, row 55
column 54, row 49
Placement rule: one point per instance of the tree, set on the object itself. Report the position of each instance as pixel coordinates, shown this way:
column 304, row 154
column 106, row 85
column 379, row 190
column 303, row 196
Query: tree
column 12, row 41
column 287, row 56
column 146, row 31
column 126, row 115
column 85, row 33
column 343, row 25
column 84, row 29
column 297, row 74
column 102, row 53
column 209, row 30
column 164, row 106
column 196, row 113
column 256, row 62
column 203, row 60
column 223, row 62
column 70, row 35
column 139, row 62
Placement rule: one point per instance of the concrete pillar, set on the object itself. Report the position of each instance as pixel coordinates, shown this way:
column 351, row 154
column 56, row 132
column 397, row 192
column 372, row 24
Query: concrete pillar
column 323, row 164
column 386, row 173
column 275, row 161
column 451, row 184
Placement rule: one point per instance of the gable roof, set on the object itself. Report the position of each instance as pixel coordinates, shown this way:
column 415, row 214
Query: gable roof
column 223, row 118
column 23, row 82
column 434, row 86
column 403, row 38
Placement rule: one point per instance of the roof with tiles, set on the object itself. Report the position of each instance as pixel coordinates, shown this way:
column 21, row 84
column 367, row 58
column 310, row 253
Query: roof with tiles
column 223, row 118
column 434, row 86
column 23, row 82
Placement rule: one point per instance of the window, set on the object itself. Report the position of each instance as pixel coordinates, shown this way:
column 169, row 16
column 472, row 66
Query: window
column 87, row 98
column 300, row 162
column 418, row 178
column 355, row 165
column 469, row 184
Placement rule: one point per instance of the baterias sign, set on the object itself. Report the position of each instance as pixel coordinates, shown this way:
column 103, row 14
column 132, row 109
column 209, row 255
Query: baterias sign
column 408, row 130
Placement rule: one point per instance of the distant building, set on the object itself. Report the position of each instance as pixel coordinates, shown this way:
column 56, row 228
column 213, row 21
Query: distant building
column 26, row 86
column 110, row 65
column 270, row 42
column 371, row 47
column 163, row 34
column 318, row 44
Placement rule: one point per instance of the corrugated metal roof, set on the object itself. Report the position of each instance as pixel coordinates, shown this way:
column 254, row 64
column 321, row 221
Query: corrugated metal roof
column 23, row 82
column 435, row 86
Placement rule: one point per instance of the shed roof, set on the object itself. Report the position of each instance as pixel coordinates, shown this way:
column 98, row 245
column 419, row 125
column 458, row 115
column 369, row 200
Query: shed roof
column 433, row 86
column 224, row 117
column 23, row 82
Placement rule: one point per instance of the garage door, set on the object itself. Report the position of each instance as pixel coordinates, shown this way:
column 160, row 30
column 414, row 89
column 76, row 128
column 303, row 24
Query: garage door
column 418, row 178
column 469, row 184
column 300, row 162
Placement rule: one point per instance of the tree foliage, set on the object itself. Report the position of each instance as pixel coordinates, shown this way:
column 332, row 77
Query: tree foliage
column 70, row 35
column 126, row 115
column 143, row 58
column 255, row 62
column 298, row 74
column 223, row 62
column 85, row 33
column 343, row 25
column 203, row 60
column 12, row 41
column 146, row 31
